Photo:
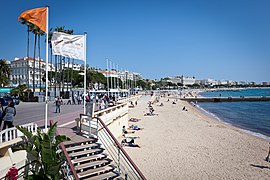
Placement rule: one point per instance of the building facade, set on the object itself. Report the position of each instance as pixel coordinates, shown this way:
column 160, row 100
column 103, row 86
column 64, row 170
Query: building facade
column 22, row 71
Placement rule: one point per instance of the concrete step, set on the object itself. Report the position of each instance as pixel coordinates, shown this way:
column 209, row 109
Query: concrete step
column 86, row 152
column 96, row 171
column 88, row 158
column 108, row 175
column 82, row 147
column 81, row 142
column 92, row 164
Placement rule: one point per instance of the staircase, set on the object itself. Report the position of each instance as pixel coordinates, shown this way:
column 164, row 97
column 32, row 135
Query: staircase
column 89, row 160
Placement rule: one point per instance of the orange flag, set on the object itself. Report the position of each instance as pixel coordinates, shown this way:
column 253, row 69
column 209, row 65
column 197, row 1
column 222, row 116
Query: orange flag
column 37, row 16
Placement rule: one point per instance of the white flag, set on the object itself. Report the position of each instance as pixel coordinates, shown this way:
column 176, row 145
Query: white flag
column 67, row 45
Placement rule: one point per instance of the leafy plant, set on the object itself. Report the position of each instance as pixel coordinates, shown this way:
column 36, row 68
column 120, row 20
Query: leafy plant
column 42, row 150
column 19, row 90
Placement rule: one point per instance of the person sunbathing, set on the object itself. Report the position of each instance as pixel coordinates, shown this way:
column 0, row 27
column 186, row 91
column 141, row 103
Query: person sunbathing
column 134, row 120
column 124, row 131
column 131, row 105
column 129, row 142
column 151, row 112
column 184, row 108
column 135, row 127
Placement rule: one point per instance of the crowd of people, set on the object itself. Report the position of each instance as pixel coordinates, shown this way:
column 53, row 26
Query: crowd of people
column 101, row 101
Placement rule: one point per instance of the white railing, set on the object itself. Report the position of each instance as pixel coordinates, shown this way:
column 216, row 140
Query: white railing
column 131, row 98
column 111, row 113
column 106, row 115
column 13, row 133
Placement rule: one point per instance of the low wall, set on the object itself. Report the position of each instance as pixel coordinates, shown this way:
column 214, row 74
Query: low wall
column 114, row 117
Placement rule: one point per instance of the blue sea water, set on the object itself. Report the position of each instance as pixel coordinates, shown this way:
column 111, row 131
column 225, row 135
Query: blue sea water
column 251, row 116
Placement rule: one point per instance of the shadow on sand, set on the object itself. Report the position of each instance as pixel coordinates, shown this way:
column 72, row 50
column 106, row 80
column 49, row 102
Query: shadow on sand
column 259, row 166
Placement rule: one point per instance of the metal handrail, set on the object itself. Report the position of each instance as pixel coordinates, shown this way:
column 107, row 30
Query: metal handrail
column 66, row 155
column 119, row 147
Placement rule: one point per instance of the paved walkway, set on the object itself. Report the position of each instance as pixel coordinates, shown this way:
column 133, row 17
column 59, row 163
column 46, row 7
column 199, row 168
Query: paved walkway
column 35, row 112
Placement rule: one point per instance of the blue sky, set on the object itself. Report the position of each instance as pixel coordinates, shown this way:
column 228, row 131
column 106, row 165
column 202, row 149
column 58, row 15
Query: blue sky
column 224, row 39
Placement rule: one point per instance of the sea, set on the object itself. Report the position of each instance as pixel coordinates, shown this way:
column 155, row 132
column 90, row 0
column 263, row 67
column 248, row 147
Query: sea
column 251, row 117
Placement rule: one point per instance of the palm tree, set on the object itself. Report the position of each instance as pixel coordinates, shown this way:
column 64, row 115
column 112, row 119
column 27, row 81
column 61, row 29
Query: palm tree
column 70, row 31
column 62, row 74
column 39, row 33
column 59, row 29
column 71, row 76
column 29, row 25
column 34, row 63
column 50, row 43
column 19, row 90
column 4, row 73
column 61, row 78
column 34, row 30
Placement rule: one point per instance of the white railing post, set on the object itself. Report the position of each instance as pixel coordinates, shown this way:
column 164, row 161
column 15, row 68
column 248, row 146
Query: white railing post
column 12, row 133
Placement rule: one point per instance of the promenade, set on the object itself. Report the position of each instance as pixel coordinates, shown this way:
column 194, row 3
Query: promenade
column 35, row 112
column 178, row 144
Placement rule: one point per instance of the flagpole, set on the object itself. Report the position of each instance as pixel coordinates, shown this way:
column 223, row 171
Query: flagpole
column 117, row 80
column 110, row 74
column 47, row 55
column 84, row 89
column 108, row 89
column 114, row 79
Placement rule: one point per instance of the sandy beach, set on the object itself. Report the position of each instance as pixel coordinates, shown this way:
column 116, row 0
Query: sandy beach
column 178, row 144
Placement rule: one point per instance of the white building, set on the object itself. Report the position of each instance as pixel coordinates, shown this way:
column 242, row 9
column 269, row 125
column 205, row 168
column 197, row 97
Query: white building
column 223, row 82
column 209, row 82
column 185, row 80
column 266, row 83
column 188, row 80
column 174, row 80
column 75, row 67
column 22, row 71
column 232, row 83
column 125, row 76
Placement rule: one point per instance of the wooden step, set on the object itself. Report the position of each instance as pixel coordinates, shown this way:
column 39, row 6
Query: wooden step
column 92, row 164
column 88, row 158
column 108, row 175
column 91, row 172
column 84, row 141
column 86, row 152
column 81, row 147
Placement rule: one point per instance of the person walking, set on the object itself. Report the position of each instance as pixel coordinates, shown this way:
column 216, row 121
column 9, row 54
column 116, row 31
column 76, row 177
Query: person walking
column 69, row 100
column 58, row 105
column 9, row 114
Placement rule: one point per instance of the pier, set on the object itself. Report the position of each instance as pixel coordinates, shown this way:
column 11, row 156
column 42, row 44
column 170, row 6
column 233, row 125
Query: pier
column 226, row 99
